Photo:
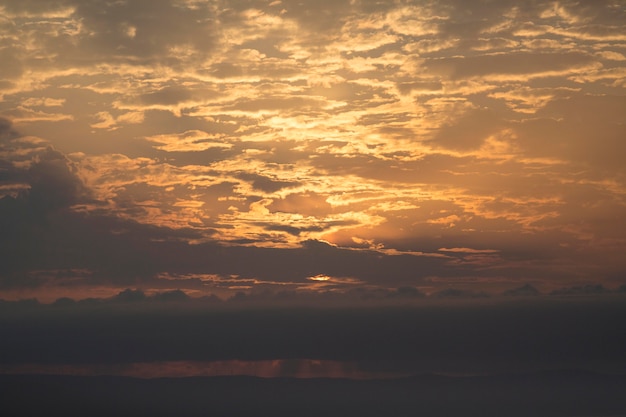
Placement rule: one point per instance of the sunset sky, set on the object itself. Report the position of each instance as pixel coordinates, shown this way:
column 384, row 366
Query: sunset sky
column 313, row 207
column 353, row 147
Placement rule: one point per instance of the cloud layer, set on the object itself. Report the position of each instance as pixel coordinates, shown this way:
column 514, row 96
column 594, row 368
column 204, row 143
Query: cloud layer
column 245, row 145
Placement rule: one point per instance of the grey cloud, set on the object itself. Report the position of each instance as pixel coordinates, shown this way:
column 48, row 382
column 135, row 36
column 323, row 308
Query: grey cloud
column 143, row 30
column 6, row 130
column 458, row 293
column 137, row 296
column 12, row 66
column 129, row 295
column 157, row 24
column 53, row 182
column 172, row 296
column 519, row 252
column 524, row 290
column 366, row 166
column 318, row 16
column 317, row 21
column 41, row 234
column 34, row 6
column 606, row 12
column 26, row 218
column 268, row 185
column 589, row 289
column 266, row 46
column 469, row 131
column 356, row 95
column 160, row 122
column 566, row 128
column 124, row 252
column 226, row 70
column 407, row 87
column 467, row 19
column 406, row 292
column 285, row 103
column 167, row 95
column 431, row 168
column 522, row 64
column 101, row 31
column 296, row 231
column 50, row 176
column 590, row 210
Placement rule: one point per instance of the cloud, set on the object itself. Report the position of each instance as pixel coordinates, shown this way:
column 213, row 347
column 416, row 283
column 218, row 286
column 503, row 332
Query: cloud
column 520, row 66
column 389, row 130
column 458, row 293
column 147, row 31
column 49, row 230
column 524, row 290
column 469, row 131
column 589, row 289
column 53, row 182
column 41, row 185
column 266, row 184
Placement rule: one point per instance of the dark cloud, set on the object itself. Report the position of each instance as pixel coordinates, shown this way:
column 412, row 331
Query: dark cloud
column 589, row 289
column 35, row 7
column 53, row 182
column 176, row 296
column 51, row 187
column 168, row 95
column 129, row 295
column 136, row 296
column 524, row 290
column 64, row 302
column 565, row 127
column 44, row 236
column 145, row 30
column 266, row 184
column 266, row 46
column 284, row 103
column 320, row 17
column 522, row 64
column 459, row 293
column 295, row 231
column 14, row 68
column 407, row 292
column 226, row 70
column 469, row 20
column 469, row 131
column 6, row 130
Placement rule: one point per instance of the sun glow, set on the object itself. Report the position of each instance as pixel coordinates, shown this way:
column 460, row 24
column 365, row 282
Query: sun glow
column 321, row 278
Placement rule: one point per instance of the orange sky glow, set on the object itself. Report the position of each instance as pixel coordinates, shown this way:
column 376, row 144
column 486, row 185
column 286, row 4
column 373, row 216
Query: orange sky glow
column 337, row 147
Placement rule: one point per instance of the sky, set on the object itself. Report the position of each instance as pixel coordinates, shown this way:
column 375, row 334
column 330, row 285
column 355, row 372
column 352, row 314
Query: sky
column 397, row 202
column 305, row 148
